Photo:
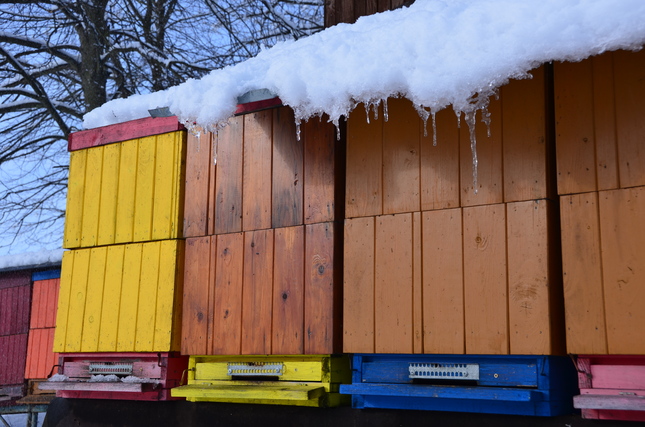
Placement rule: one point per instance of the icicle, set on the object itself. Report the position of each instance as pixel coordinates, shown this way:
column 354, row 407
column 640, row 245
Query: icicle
column 367, row 112
column 375, row 107
column 199, row 141
column 486, row 119
column 214, row 151
column 458, row 113
column 434, row 129
column 385, row 115
column 471, row 121
column 298, row 130
column 337, row 125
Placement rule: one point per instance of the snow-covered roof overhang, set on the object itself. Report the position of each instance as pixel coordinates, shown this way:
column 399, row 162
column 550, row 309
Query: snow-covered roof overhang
column 32, row 260
column 436, row 53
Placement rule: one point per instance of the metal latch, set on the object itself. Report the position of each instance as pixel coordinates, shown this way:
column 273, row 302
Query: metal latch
column 445, row 371
column 107, row 368
column 255, row 369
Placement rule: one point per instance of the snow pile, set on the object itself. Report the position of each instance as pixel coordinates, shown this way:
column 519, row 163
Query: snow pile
column 136, row 380
column 58, row 378
column 103, row 378
column 31, row 259
column 435, row 53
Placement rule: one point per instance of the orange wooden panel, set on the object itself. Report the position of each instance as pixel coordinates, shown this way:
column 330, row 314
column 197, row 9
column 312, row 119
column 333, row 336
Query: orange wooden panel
column 228, row 180
column 40, row 356
column 43, row 304
column 288, row 173
column 417, row 284
column 289, row 291
column 536, row 321
column 440, row 163
column 393, row 290
column 226, row 335
column 322, row 290
column 197, row 194
column 358, row 290
column 582, row 274
column 527, row 144
column 489, row 155
column 257, row 293
column 364, row 186
column 629, row 71
column 622, row 232
column 443, row 282
column 485, row 289
column 197, row 289
column 574, row 126
column 256, row 194
column 401, row 164
column 320, row 171
column 604, row 106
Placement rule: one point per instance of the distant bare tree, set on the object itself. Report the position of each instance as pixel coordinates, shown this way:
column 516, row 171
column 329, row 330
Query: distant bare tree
column 60, row 59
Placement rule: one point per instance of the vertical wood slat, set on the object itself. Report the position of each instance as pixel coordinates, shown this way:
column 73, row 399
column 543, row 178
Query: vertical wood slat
column 15, row 303
column 287, row 172
column 43, row 303
column 485, row 278
column 417, row 284
column 320, row 172
column 257, row 153
column 604, row 114
column 108, row 335
column 582, row 274
column 109, row 192
column 40, row 357
column 94, row 299
column 393, row 283
column 228, row 190
column 126, row 200
column 358, row 286
column 74, row 207
column 622, row 231
column 13, row 357
column 198, row 198
column 195, row 312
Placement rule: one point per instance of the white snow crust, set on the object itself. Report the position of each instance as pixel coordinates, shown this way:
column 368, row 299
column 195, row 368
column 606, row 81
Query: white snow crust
column 436, row 53
column 31, row 259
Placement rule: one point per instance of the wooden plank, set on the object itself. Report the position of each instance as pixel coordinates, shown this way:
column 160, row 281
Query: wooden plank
column 92, row 197
column 197, row 287
column 94, row 299
column 489, row 156
column 78, row 294
column 226, row 337
column 145, row 186
column 443, row 282
column 64, row 295
column 148, row 286
column 346, row 12
column 629, row 69
column 440, row 163
column 75, row 196
column 198, row 196
column 618, row 377
column 364, row 186
column 212, row 187
column 256, row 194
column 401, row 164
column 532, row 327
column 525, row 138
column 322, row 290
column 127, row 192
column 109, row 194
column 288, row 174
column 604, row 106
column 574, row 127
column 622, row 231
column 123, row 131
column 228, row 180
column 167, row 320
column 289, row 291
column 111, row 298
column 257, row 293
column 358, row 287
column 164, row 194
column 485, row 288
column 393, row 284
column 319, row 171
column 126, row 335
column 582, row 274
column 417, row 283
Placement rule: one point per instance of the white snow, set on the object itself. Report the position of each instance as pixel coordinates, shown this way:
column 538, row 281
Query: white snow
column 31, row 259
column 137, row 380
column 58, row 378
column 103, row 378
column 435, row 53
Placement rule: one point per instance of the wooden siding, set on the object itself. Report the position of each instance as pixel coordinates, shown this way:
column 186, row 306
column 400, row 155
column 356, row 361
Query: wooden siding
column 268, row 291
column 15, row 303
column 120, row 298
column 475, row 280
column 43, row 303
column 348, row 11
column 126, row 192
column 602, row 234
column 254, row 174
column 599, row 104
column 13, row 354
column 40, row 357
column 393, row 166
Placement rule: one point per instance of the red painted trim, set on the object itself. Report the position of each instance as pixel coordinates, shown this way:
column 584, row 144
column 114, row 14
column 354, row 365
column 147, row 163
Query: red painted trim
column 123, row 132
column 249, row 107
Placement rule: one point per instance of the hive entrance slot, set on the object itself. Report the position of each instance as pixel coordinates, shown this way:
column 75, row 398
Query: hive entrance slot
column 255, row 371
column 110, row 368
column 444, row 372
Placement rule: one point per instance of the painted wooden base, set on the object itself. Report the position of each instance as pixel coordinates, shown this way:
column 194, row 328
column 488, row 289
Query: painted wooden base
column 611, row 387
column 134, row 376
column 520, row 385
column 272, row 380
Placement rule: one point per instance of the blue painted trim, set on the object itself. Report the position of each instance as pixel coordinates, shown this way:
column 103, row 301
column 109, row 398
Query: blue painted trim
column 45, row 275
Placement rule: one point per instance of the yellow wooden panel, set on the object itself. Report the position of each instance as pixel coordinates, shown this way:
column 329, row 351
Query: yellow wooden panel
column 295, row 368
column 253, row 391
column 111, row 298
column 168, row 310
column 92, row 197
column 75, row 191
column 129, row 298
column 293, row 371
column 94, row 299
column 127, row 196
column 109, row 191
column 78, row 289
column 64, row 294
column 164, row 190
column 147, row 305
column 145, row 189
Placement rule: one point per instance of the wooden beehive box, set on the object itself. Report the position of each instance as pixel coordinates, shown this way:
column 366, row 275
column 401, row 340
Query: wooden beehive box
column 430, row 265
column 125, row 183
column 262, row 270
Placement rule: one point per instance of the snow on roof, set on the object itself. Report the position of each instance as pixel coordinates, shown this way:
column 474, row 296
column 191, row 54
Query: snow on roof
column 435, row 53
column 40, row 259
